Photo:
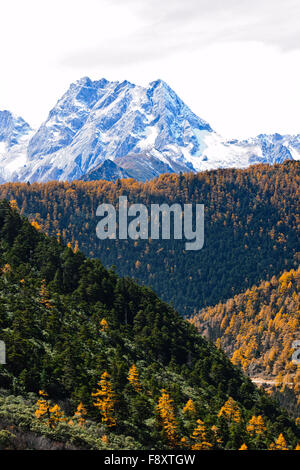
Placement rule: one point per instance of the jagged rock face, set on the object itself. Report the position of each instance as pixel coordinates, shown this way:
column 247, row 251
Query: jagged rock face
column 146, row 131
column 14, row 136
column 12, row 128
column 107, row 170
column 100, row 120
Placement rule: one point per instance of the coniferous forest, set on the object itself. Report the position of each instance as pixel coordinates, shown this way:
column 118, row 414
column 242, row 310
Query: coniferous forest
column 98, row 361
column 257, row 330
column 251, row 219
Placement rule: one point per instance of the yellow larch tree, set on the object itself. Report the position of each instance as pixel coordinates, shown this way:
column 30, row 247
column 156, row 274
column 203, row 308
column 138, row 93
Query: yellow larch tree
column 103, row 325
column 105, row 400
column 189, row 408
column 43, row 405
column 13, row 204
column 52, row 413
column 199, row 436
column 167, row 415
column 280, row 444
column 56, row 416
column 36, row 225
column 133, row 378
column 230, row 411
column 216, row 435
column 256, row 426
column 243, row 447
column 80, row 414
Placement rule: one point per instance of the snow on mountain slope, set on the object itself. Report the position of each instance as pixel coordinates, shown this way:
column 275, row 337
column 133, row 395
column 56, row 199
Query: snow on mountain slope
column 95, row 121
column 14, row 137
column 144, row 130
column 220, row 153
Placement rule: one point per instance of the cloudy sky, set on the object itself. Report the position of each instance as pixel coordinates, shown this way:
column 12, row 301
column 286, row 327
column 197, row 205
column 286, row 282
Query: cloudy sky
column 236, row 63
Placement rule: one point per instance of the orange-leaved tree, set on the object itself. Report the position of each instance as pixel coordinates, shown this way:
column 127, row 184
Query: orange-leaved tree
column 256, row 426
column 167, row 415
column 103, row 325
column 80, row 414
column 105, row 400
column 230, row 411
column 189, row 408
column 280, row 444
column 199, row 436
column 133, row 378
column 52, row 413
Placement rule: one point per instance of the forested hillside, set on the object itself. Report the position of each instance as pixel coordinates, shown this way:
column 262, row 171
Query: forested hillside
column 96, row 361
column 257, row 330
column 251, row 227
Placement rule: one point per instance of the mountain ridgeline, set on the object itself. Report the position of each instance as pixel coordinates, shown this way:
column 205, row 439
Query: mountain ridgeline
column 145, row 131
column 71, row 327
column 251, row 228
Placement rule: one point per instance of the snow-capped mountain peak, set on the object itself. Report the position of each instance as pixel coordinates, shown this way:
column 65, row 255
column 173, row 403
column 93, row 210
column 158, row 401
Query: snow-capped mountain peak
column 144, row 130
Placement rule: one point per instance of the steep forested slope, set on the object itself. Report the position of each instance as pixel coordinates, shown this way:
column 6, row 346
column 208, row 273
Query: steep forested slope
column 257, row 330
column 251, row 224
column 72, row 328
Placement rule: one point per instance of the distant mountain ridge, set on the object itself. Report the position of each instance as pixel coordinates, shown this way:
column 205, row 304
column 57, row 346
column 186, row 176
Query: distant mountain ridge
column 107, row 170
column 145, row 131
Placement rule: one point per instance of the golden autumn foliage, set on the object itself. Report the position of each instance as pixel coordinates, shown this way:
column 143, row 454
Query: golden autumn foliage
column 199, row 437
column 13, row 204
column 256, row 425
column 230, row 411
column 103, row 325
column 243, row 447
column 105, row 400
column 69, row 245
column 167, row 415
column 216, row 435
column 234, row 199
column 133, row 378
column 189, row 408
column 280, row 444
column 6, row 269
column 184, row 442
column 80, row 414
column 51, row 413
column 36, row 225
column 257, row 328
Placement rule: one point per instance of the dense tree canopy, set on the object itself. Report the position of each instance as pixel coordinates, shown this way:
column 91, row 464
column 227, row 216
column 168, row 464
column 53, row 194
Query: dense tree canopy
column 251, row 223
column 257, row 329
column 73, row 331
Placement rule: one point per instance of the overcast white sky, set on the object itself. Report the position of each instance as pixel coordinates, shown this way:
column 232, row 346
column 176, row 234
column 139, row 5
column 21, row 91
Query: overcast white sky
column 236, row 63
